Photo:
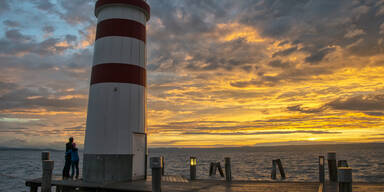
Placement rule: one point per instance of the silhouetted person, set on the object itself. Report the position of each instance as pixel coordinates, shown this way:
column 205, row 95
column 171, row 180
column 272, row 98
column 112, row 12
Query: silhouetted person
column 74, row 161
column 67, row 165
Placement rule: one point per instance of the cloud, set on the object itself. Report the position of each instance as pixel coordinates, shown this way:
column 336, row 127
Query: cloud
column 359, row 103
column 15, row 35
column 4, row 6
column 245, row 67
column 10, row 23
column 375, row 113
column 319, row 56
column 77, row 11
column 39, row 98
column 299, row 108
column 45, row 5
column 48, row 29
column 261, row 133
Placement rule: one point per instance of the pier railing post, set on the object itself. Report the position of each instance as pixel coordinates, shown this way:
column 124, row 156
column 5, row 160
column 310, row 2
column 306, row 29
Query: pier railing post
column 345, row 179
column 273, row 174
column 228, row 174
column 192, row 169
column 332, row 167
column 321, row 169
column 47, row 175
column 155, row 164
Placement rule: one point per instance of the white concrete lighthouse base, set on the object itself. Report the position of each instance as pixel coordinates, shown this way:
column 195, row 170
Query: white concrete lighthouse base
column 108, row 168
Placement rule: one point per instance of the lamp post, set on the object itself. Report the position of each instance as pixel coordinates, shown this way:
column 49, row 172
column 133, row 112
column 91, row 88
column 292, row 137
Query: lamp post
column 193, row 168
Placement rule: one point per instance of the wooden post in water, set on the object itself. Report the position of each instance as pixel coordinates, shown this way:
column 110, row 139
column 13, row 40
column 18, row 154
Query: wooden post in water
column 345, row 179
column 192, row 169
column 155, row 164
column 228, row 174
column 47, row 175
column 212, row 168
column 321, row 169
column 332, row 167
column 342, row 163
column 220, row 169
column 281, row 169
column 162, row 165
column 273, row 174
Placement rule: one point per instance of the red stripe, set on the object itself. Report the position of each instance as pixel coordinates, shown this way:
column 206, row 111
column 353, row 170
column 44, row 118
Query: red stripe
column 118, row 73
column 142, row 5
column 121, row 27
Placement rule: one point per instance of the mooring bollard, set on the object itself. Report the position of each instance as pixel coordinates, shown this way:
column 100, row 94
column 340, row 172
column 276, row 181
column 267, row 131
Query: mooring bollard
column 155, row 164
column 281, row 169
column 342, row 163
column 162, row 165
column 273, row 174
column 228, row 174
column 321, row 169
column 47, row 175
column 44, row 156
column 332, row 168
column 192, row 169
column 345, row 179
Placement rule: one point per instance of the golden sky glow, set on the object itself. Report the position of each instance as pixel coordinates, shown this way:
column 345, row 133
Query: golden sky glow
column 230, row 74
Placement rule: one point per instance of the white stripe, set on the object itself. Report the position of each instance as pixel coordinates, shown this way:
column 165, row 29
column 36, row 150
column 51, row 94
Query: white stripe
column 113, row 116
column 121, row 12
column 116, row 49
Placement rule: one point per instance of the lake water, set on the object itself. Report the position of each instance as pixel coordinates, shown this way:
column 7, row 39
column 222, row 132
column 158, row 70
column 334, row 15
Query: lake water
column 248, row 163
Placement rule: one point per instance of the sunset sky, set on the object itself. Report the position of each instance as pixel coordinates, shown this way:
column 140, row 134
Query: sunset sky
column 220, row 72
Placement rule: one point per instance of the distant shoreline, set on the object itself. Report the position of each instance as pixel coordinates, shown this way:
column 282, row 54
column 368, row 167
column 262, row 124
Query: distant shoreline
column 257, row 148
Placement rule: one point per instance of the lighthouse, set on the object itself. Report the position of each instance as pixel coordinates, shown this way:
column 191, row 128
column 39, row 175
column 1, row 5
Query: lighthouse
column 115, row 147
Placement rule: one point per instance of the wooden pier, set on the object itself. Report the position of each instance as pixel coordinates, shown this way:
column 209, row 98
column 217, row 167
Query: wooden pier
column 181, row 184
column 161, row 183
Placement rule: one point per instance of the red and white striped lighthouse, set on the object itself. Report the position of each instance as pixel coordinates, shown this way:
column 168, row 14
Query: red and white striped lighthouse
column 115, row 146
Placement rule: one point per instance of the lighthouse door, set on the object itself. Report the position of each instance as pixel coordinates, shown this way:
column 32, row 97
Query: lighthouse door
column 138, row 156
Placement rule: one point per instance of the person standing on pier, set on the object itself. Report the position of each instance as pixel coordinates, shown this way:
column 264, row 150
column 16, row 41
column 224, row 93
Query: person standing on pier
column 67, row 165
column 74, row 161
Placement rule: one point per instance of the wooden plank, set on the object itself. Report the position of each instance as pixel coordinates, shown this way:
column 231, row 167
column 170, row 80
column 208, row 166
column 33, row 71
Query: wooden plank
column 321, row 187
column 183, row 185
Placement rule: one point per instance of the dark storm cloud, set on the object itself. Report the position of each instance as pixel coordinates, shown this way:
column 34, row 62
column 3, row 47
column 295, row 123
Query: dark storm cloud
column 359, row 103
